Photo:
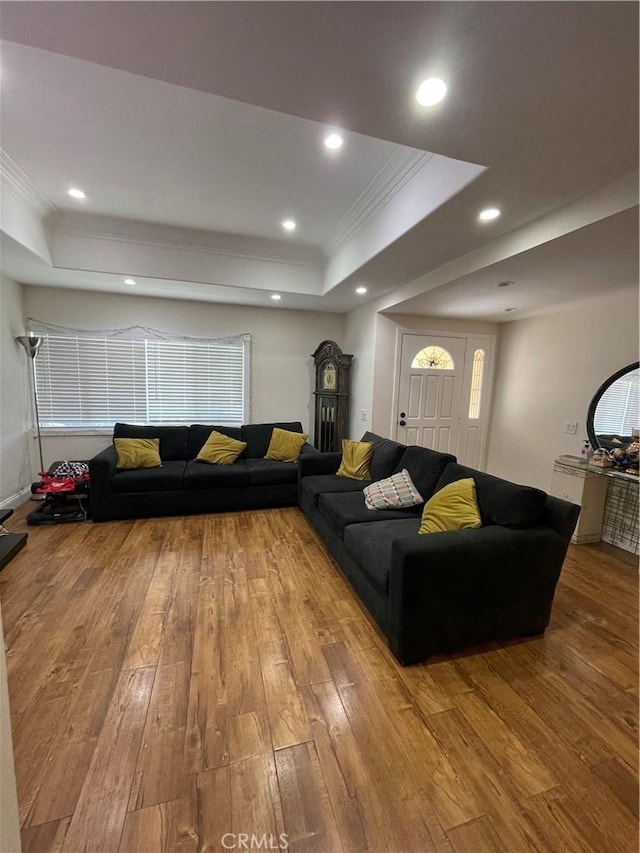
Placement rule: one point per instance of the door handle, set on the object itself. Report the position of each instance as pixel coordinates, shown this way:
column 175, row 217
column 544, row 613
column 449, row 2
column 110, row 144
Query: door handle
column 403, row 423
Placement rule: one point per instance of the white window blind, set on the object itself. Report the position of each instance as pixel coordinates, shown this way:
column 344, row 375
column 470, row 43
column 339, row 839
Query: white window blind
column 87, row 381
column 618, row 410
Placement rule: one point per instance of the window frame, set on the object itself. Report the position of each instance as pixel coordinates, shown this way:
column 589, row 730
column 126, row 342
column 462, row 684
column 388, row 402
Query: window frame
column 241, row 341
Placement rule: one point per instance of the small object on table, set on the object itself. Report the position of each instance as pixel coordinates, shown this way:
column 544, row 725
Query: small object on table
column 627, row 457
column 601, row 459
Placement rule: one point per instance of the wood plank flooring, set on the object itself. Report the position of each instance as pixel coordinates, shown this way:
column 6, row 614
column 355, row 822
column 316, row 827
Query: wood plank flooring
column 177, row 682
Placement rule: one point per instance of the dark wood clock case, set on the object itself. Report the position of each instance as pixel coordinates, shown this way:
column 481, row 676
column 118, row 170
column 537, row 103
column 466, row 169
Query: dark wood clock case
column 332, row 395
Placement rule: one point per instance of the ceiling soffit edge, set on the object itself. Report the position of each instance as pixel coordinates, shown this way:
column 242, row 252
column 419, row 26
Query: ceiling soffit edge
column 186, row 246
column 607, row 201
column 23, row 187
column 397, row 171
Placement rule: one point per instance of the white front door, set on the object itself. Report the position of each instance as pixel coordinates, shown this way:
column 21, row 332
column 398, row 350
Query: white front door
column 431, row 380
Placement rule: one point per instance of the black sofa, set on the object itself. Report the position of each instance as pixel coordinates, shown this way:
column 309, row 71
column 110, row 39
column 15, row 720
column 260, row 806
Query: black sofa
column 182, row 485
column 440, row 592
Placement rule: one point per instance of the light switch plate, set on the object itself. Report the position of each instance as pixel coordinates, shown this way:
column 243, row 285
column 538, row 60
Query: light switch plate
column 571, row 427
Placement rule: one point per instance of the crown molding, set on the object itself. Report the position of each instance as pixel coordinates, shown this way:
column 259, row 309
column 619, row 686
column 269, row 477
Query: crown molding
column 397, row 171
column 186, row 247
column 20, row 184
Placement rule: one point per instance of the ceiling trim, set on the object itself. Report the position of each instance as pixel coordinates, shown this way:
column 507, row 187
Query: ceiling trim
column 397, row 170
column 22, row 186
column 184, row 245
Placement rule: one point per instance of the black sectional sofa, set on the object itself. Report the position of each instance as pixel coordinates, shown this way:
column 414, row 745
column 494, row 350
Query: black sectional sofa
column 183, row 485
column 440, row 592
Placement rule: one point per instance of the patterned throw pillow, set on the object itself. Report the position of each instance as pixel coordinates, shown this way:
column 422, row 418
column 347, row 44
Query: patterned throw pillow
column 396, row 492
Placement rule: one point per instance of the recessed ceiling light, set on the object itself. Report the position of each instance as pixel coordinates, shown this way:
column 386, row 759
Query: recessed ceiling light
column 333, row 141
column 361, row 290
column 507, row 310
column 289, row 225
column 76, row 193
column 276, row 297
column 488, row 214
column 431, row 92
column 129, row 281
column 504, row 283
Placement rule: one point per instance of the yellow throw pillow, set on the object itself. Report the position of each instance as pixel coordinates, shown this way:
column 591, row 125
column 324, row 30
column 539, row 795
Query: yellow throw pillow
column 285, row 446
column 356, row 456
column 219, row 449
column 454, row 507
column 137, row 453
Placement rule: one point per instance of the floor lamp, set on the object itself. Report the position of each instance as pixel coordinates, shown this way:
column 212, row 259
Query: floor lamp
column 32, row 344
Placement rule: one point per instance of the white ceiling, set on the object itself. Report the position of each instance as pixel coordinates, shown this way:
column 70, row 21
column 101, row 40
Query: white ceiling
column 210, row 116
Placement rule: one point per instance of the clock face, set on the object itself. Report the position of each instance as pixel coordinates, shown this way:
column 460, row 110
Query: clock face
column 329, row 376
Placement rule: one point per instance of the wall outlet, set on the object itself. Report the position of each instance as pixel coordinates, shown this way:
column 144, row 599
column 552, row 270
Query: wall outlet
column 364, row 415
column 571, row 427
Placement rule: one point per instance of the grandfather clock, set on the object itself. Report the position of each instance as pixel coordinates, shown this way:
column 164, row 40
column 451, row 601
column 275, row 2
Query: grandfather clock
column 333, row 379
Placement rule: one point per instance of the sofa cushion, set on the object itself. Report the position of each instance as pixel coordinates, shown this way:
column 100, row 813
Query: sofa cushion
column 369, row 545
column 271, row 472
column 500, row 501
column 200, row 475
column 134, row 453
column 341, row 510
column 425, row 468
column 173, row 439
column 394, row 492
column 386, row 455
column 220, row 449
column 258, row 437
column 318, row 484
column 285, row 446
column 356, row 456
column 166, row 479
column 453, row 507
column 199, row 433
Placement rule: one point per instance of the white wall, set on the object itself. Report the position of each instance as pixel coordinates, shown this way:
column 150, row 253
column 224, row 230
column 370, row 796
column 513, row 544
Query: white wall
column 282, row 342
column 548, row 370
column 16, row 414
column 360, row 339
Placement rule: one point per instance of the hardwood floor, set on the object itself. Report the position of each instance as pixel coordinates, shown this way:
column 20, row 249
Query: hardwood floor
column 176, row 680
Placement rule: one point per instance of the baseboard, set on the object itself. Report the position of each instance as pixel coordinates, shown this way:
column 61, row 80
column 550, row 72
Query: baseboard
column 16, row 499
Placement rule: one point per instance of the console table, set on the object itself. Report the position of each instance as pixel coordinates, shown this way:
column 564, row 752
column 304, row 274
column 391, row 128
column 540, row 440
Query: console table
column 608, row 501
column 10, row 543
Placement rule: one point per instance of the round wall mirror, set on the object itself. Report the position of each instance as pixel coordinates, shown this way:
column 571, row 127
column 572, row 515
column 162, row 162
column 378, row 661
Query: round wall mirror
column 614, row 412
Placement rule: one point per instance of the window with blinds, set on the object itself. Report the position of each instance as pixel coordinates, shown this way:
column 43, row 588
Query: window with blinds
column 618, row 410
column 94, row 382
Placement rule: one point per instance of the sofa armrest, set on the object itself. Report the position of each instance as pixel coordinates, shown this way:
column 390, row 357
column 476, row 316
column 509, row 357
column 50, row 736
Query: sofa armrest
column 319, row 463
column 102, row 469
column 449, row 588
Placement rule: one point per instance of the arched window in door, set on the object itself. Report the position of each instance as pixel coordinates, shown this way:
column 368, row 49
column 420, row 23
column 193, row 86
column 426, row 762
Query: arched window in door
column 476, row 384
column 433, row 358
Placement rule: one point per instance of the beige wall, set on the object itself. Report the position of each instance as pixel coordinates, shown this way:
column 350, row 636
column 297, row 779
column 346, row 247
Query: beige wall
column 282, row 342
column 15, row 398
column 548, row 370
